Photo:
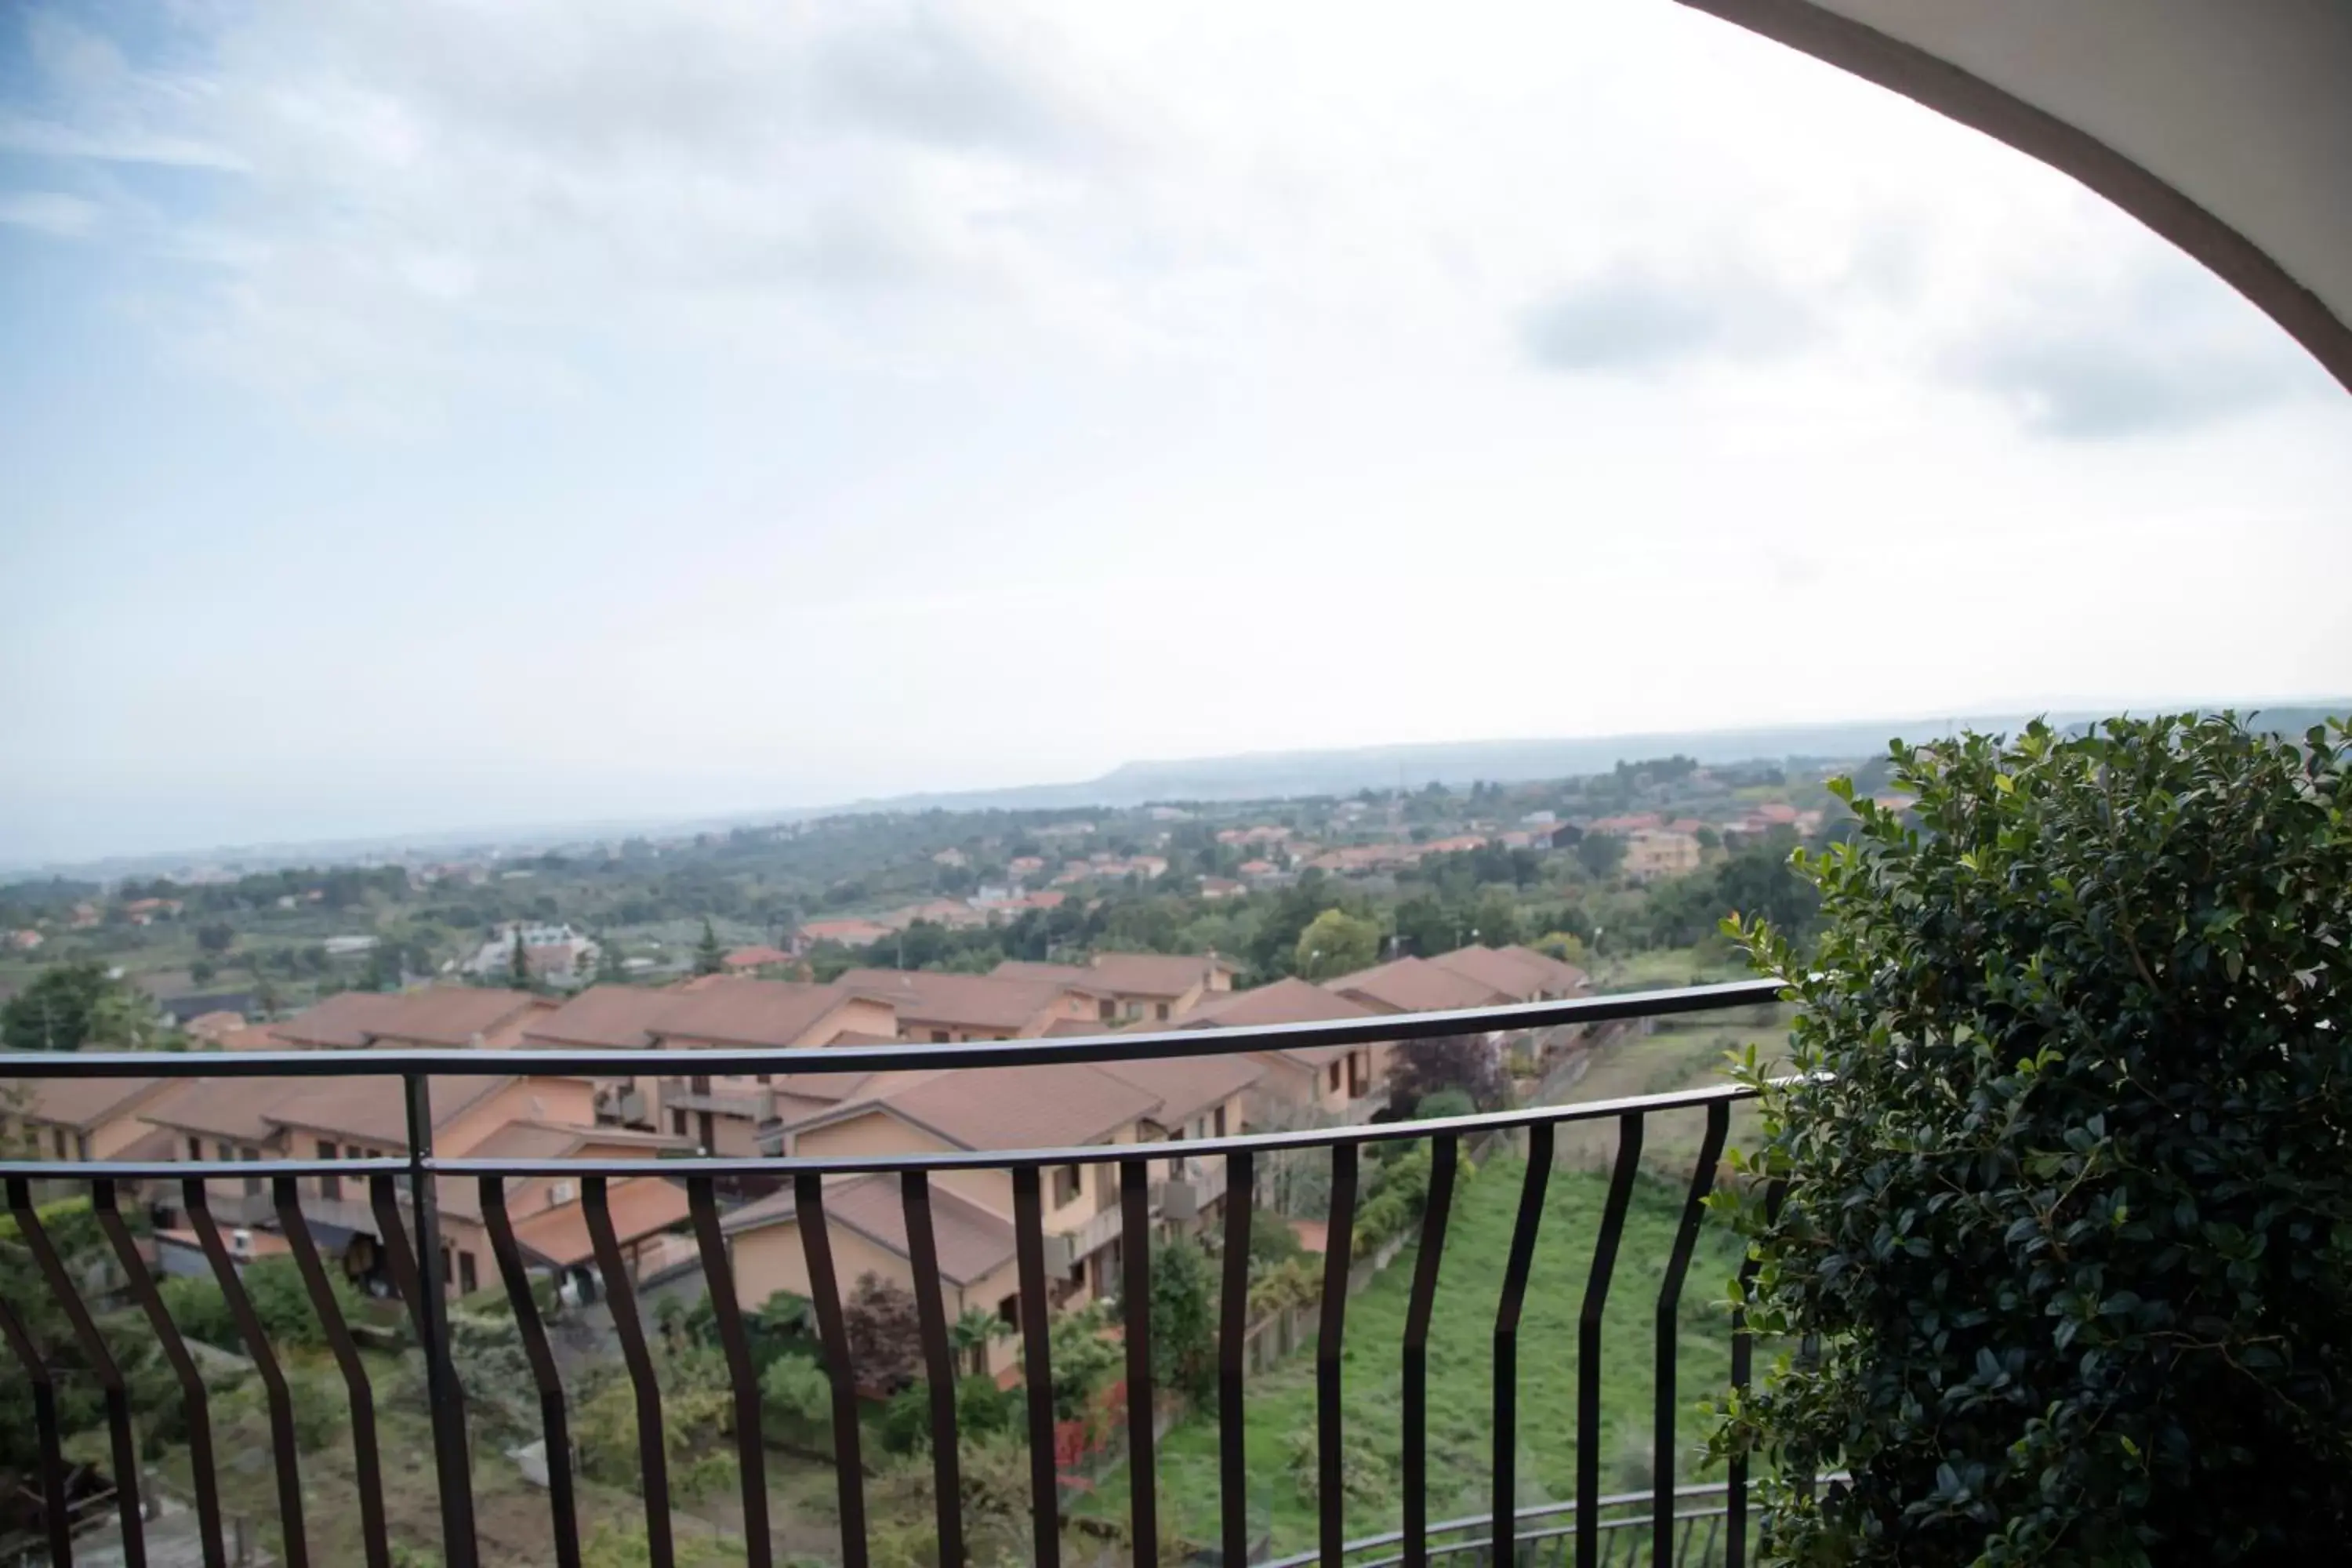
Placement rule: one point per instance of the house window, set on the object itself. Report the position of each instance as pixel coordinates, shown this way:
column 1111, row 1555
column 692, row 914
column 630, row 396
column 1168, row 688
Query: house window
column 1069, row 1183
column 938, row 1036
column 1159, row 1010
column 1220, row 1121
column 1109, row 1009
column 195, row 1148
column 81, row 1145
column 252, row 1184
column 330, row 1186
column 678, row 1123
column 57, row 1140
column 1335, row 1077
column 467, row 1282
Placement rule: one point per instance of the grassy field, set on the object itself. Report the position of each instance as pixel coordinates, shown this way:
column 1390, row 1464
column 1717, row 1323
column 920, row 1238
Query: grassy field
column 1676, row 1054
column 1281, row 1404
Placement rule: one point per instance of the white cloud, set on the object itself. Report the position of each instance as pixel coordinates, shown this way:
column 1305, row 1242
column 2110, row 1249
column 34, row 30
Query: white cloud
column 49, row 212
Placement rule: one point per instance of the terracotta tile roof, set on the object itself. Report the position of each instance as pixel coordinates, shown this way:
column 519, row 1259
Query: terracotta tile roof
column 1071, row 974
column 1187, row 1086
column 972, row 1243
column 1289, row 1000
column 85, row 1103
column 927, row 996
column 616, row 1017
column 453, row 1015
column 777, row 1013
column 639, row 1207
column 234, row 1108
column 755, row 957
column 529, row 1138
column 1520, row 973
column 1005, row 1108
column 1415, row 985
column 370, row 1109
column 1155, row 974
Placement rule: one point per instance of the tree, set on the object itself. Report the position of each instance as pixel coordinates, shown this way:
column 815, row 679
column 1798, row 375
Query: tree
column 610, row 970
column 2067, row 1225
column 1469, row 1063
column 215, row 937
column 201, row 972
column 1600, row 854
column 518, row 962
column 972, row 1332
column 70, row 1005
column 1337, row 943
column 885, row 1334
column 1183, row 1334
column 709, row 959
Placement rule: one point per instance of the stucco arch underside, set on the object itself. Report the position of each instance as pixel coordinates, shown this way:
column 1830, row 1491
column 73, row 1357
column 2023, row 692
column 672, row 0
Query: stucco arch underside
column 2223, row 125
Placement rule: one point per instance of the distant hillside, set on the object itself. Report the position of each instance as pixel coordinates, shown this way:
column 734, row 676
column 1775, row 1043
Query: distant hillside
column 1261, row 775
column 1264, row 776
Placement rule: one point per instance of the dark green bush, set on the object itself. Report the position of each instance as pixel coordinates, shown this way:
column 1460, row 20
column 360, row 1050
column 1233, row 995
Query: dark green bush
column 2068, row 1227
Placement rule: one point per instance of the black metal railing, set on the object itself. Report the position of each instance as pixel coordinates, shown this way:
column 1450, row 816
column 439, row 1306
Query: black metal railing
column 403, row 1197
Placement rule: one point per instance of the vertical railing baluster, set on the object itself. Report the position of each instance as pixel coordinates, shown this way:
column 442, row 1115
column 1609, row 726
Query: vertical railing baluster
column 450, row 1462
column 1630, row 1127
column 1743, row 1351
column 194, row 1405
column 102, row 1365
column 1029, row 1250
column 555, row 1428
column 1233, row 1334
column 621, row 1298
column 367, row 1468
column 1445, row 1154
column 195, row 1198
column 1338, row 1248
column 825, row 1290
column 1506, row 1341
column 1670, row 1294
column 939, row 1364
column 54, row 1522
column 1135, row 1292
column 727, row 1317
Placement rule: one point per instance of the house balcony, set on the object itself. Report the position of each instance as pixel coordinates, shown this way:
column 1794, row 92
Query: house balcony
column 1672, row 1520
column 756, row 1106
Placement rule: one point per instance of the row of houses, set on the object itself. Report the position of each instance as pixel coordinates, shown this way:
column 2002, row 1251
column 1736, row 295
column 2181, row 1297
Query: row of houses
column 839, row 1117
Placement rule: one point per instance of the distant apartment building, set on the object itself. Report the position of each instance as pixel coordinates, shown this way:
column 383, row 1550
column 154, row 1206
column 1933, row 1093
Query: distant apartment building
column 1655, row 853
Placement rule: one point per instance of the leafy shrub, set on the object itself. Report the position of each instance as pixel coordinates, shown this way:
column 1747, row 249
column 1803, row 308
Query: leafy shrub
column 2069, row 1206
column 1183, row 1319
column 1445, row 1103
column 797, row 1388
column 1272, row 1241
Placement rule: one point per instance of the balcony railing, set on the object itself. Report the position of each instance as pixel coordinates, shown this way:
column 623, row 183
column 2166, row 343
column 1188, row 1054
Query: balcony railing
column 402, row 1200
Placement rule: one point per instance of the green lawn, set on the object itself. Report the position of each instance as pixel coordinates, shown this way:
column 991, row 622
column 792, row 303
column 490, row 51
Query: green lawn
column 1461, row 1377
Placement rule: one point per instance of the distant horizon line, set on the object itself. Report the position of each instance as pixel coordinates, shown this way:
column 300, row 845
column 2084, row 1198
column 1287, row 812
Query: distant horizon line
column 543, row 835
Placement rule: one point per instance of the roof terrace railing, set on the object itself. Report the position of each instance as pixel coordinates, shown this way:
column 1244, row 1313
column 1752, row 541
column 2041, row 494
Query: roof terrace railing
column 410, row 1236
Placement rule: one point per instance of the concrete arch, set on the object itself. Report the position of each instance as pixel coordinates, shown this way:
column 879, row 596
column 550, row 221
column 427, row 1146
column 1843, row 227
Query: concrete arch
column 2226, row 128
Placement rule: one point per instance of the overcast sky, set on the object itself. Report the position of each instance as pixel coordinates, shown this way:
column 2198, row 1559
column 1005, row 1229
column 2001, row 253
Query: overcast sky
column 418, row 415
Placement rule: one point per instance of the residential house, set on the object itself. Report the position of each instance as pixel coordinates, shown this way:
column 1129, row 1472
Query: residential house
column 942, row 1008
column 757, row 960
column 968, row 1109
column 450, row 1016
column 1301, row 1083
column 83, row 1118
column 1652, row 854
column 718, row 1112
column 1221, row 888
column 26, row 939
column 361, row 1118
column 1421, row 986
column 1131, row 985
column 570, row 954
column 1523, row 974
